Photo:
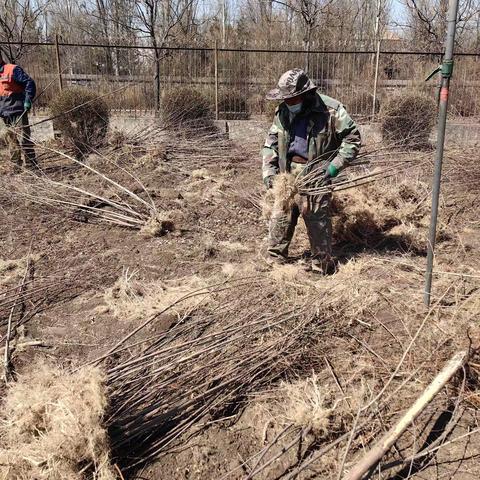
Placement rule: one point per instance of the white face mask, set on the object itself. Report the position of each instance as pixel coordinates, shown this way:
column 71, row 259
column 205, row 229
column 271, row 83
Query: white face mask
column 295, row 108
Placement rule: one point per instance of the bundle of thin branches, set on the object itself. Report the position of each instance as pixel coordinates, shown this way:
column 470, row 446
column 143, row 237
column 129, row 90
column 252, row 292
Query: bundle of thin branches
column 403, row 379
column 120, row 205
column 185, row 146
column 309, row 181
column 205, row 364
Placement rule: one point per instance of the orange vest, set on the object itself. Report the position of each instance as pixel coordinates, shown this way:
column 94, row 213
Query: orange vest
column 8, row 86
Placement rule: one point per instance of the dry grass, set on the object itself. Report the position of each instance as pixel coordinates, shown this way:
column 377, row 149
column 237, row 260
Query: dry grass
column 366, row 214
column 11, row 271
column 307, row 405
column 281, row 197
column 52, row 426
column 131, row 299
column 159, row 224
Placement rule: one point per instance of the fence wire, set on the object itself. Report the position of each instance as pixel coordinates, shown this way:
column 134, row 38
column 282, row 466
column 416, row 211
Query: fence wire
column 243, row 76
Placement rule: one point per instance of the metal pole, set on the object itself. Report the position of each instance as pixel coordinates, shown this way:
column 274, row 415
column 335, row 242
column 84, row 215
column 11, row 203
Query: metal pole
column 375, row 81
column 59, row 65
column 216, row 81
column 377, row 57
column 446, row 72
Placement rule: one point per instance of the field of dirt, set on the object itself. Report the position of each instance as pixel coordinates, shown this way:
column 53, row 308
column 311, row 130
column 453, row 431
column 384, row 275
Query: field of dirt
column 360, row 346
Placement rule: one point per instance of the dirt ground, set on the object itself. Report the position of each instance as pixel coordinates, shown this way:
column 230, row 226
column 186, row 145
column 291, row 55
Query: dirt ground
column 75, row 260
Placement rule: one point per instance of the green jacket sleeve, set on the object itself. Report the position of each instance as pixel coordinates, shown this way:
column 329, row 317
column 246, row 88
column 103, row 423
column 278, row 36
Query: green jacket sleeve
column 349, row 135
column 270, row 150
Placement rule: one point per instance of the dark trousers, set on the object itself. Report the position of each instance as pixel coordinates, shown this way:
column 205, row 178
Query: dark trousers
column 18, row 138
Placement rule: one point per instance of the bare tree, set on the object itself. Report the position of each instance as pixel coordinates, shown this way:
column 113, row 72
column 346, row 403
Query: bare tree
column 159, row 22
column 20, row 22
column 426, row 24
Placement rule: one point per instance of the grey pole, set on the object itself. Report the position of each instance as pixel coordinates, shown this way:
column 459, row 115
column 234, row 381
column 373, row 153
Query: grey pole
column 446, row 72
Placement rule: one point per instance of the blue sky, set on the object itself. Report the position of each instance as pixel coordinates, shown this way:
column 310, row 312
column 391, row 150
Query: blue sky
column 397, row 14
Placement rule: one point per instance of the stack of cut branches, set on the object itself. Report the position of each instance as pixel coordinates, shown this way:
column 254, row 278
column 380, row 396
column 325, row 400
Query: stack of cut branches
column 205, row 365
column 112, row 202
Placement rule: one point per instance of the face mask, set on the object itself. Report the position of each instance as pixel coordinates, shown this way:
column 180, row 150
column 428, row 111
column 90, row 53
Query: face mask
column 295, row 108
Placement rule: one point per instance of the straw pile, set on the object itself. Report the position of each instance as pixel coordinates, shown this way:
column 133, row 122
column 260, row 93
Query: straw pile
column 52, row 426
column 368, row 214
column 129, row 298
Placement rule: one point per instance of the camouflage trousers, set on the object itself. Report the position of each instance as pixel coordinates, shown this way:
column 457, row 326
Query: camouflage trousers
column 316, row 214
column 18, row 138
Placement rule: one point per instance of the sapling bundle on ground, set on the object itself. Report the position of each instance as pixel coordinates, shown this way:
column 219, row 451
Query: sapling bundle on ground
column 212, row 355
column 181, row 147
column 104, row 198
column 321, row 422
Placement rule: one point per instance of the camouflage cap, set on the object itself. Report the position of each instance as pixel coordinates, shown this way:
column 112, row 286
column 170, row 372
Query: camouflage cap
column 291, row 84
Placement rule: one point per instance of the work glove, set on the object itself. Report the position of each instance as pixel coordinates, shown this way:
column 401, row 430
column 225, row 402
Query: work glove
column 268, row 181
column 27, row 105
column 331, row 172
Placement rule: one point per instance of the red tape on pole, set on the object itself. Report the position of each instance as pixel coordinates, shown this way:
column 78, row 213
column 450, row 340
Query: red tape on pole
column 444, row 94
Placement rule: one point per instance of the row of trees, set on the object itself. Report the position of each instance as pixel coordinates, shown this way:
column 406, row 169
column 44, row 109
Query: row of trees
column 271, row 24
column 339, row 24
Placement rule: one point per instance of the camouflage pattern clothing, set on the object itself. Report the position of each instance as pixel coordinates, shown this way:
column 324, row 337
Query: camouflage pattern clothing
column 332, row 138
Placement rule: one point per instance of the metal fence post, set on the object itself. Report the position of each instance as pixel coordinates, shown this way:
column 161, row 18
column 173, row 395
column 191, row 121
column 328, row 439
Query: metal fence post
column 375, row 81
column 216, row 80
column 446, row 72
column 59, row 65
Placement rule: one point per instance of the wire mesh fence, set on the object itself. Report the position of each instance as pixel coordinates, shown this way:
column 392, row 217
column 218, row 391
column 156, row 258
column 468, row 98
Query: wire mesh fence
column 235, row 81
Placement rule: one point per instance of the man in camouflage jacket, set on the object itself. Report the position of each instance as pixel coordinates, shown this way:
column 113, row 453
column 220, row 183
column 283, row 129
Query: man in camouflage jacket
column 310, row 132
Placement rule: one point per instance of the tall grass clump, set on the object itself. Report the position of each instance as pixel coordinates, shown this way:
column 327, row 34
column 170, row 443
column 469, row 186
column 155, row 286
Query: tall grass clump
column 232, row 105
column 186, row 105
column 407, row 118
column 82, row 117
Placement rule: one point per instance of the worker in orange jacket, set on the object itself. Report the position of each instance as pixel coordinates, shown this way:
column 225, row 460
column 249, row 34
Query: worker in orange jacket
column 17, row 91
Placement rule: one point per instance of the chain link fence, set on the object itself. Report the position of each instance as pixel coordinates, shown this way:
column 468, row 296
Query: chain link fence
column 236, row 80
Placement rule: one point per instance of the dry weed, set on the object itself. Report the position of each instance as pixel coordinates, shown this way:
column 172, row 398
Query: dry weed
column 200, row 173
column 235, row 246
column 52, row 426
column 129, row 298
column 316, row 405
column 365, row 214
column 280, row 198
column 158, row 225
column 306, row 405
column 284, row 191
